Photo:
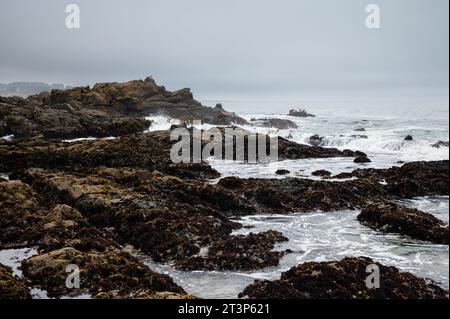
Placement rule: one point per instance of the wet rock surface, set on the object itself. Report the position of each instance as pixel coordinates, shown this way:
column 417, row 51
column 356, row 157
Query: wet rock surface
column 249, row 252
column 440, row 144
column 321, row 173
column 410, row 180
column 280, row 124
column 300, row 113
column 11, row 287
column 362, row 160
column 345, row 279
column 393, row 218
column 106, row 109
column 29, row 117
column 291, row 195
column 111, row 272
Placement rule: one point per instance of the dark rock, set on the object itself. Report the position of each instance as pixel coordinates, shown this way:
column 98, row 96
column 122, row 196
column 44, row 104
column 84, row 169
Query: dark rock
column 345, row 279
column 362, row 160
column 279, row 123
column 413, row 179
column 393, row 218
column 11, row 287
column 26, row 221
column 111, row 271
column 293, row 195
column 107, row 109
column 321, row 173
column 300, row 113
column 409, row 138
column 239, row 253
column 282, row 172
column 440, row 144
column 362, row 129
column 164, row 216
column 316, row 140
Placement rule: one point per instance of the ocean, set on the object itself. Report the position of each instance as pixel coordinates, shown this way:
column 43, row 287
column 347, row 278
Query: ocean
column 320, row 236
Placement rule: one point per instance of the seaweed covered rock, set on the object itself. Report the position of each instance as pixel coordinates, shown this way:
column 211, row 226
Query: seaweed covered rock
column 164, row 216
column 106, row 109
column 300, row 113
column 11, row 287
column 249, row 252
column 345, row 279
column 26, row 221
column 291, row 195
column 393, row 218
column 412, row 179
column 111, row 271
column 321, row 173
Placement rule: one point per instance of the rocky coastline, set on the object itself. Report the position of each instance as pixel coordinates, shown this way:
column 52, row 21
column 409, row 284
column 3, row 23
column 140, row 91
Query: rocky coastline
column 99, row 203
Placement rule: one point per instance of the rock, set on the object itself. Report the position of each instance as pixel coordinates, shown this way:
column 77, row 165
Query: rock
column 413, row 179
column 345, row 279
column 282, row 172
column 164, row 216
column 278, row 123
column 365, row 137
column 146, row 151
column 316, row 140
column 107, row 109
column 239, row 253
column 294, row 195
column 300, row 113
column 146, row 294
column 362, row 160
column 440, row 144
column 393, row 218
column 11, row 287
column 361, row 129
column 109, row 271
column 321, row 173
column 409, row 138
column 25, row 222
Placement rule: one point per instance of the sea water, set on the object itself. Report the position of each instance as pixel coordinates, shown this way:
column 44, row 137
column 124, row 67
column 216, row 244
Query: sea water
column 326, row 236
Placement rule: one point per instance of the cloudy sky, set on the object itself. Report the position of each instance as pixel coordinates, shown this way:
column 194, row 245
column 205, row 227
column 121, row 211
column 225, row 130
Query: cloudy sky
column 230, row 47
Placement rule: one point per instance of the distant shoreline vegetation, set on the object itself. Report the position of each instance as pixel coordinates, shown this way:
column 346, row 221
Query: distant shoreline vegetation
column 28, row 88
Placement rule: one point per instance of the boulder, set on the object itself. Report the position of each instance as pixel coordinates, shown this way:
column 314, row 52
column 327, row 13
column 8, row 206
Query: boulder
column 393, row 218
column 345, row 279
column 11, row 287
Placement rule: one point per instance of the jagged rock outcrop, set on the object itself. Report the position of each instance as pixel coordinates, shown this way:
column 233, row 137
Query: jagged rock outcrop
column 280, row 124
column 11, row 287
column 239, row 253
column 112, row 271
column 411, row 179
column 345, row 279
column 440, row 144
column 393, row 218
column 28, row 117
column 300, row 113
column 106, row 109
column 293, row 195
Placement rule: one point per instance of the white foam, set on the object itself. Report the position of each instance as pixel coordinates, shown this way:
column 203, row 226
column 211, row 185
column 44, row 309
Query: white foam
column 161, row 123
column 7, row 137
column 75, row 140
column 13, row 258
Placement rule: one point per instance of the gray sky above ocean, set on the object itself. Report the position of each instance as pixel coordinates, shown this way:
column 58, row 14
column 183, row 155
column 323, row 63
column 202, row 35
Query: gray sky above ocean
column 230, row 48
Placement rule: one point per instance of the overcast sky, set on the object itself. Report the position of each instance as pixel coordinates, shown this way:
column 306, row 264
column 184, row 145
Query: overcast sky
column 229, row 47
